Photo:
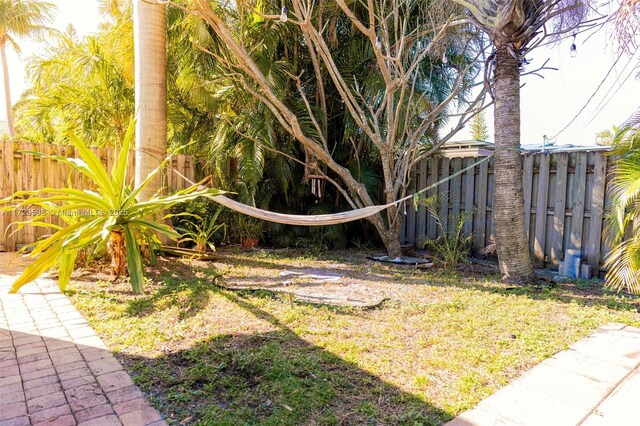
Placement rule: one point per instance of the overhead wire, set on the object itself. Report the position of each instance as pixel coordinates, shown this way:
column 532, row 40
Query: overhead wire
column 604, row 102
column 593, row 95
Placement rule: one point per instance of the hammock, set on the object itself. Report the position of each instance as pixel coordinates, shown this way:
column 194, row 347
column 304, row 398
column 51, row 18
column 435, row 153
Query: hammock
column 323, row 219
column 302, row 220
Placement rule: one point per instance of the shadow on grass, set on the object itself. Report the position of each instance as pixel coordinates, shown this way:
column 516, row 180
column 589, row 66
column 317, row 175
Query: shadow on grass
column 190, row 295
column 274, row 378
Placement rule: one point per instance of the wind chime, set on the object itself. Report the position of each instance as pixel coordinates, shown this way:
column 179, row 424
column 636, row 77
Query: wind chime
column 312, row 176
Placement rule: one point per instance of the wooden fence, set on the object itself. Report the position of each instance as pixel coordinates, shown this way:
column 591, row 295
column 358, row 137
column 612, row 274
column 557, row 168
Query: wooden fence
column 565, row 197
column 23, row 171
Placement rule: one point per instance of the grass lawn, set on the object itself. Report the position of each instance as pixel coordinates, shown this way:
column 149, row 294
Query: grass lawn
column 437, row 346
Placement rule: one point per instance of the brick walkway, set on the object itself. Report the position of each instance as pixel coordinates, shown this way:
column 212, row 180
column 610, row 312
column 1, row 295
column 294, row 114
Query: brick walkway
column 594, row 383
column 54, row 370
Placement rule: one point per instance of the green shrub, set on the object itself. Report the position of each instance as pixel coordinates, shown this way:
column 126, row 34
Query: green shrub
column 452, row 245
column 201, row 232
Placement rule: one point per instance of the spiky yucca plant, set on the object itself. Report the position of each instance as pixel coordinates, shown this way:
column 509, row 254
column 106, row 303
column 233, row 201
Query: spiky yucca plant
column 109, row 217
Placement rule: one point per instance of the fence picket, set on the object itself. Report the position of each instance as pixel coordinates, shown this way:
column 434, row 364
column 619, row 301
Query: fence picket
column 432, row 178
column 597, row 209
column 541, row 210
column 27, row 233
column 481, row 218
column 422, row 211
column 456, row 188
column 469, row 187
column 6, row 189
column 443, row 193
column 527, row 183
column 579, row 187
column 559, row 208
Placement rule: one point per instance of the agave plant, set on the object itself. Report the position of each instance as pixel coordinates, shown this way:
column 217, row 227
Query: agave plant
column 109, row 217
column 623, row 261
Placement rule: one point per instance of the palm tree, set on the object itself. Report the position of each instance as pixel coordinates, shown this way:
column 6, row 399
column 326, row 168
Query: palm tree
column 623, row 262
column 19, row 18
column 150, row 45
column 512, row 26
column 607, row 137
column 86, row 84
column 82, row 85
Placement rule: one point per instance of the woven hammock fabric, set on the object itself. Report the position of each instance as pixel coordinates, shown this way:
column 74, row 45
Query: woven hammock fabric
column 302, row 220
column 323, row 219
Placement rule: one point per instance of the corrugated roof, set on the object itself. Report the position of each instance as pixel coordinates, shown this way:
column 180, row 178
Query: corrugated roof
column 478, row 148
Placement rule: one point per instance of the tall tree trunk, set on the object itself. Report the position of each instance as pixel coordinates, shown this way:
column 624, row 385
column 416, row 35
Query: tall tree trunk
column 391, row 240
column 150, row 47
column 512, row 243
column 7, row 88
column 389, row 233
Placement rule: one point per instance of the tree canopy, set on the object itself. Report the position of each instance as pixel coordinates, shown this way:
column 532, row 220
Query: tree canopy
column 20, row 19
column 348, row 82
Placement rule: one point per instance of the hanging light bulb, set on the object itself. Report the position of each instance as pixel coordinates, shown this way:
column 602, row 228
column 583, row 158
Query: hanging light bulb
column 378, row 42
column 574, row 49
column 283, row 14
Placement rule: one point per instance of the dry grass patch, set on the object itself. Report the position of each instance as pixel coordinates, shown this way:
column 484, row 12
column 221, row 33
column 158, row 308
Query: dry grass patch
column 440, row 344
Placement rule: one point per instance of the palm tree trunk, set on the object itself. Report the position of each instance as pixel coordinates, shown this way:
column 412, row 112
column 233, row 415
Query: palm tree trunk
column 150, row 47
column 150, row 51
column 512, row 243
column 7, row 89
column 117, row 251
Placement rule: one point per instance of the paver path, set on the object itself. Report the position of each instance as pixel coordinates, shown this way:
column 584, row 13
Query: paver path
column 594, row 383
column 54, row 370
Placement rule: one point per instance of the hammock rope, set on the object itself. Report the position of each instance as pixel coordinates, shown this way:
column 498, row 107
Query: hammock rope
column 326, row 219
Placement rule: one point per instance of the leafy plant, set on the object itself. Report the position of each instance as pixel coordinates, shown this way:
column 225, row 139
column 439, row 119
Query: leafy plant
column 452, row 245
column 248, row 228
column 110, row 217
column 623, row 261
column 201, row 231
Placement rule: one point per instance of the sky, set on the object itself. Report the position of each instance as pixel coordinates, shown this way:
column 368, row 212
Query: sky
column 547, row 104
